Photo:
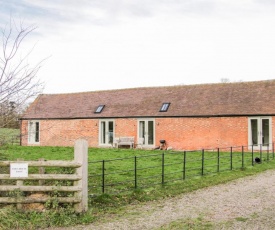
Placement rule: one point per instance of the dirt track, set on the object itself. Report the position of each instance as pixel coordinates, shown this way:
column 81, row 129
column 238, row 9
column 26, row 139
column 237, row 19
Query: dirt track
column 247, row 203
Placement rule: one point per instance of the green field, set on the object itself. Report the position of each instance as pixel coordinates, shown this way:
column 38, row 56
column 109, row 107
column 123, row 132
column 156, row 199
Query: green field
column 9, row 136
column 112, row 171
column 144, row 174
column 143, row 169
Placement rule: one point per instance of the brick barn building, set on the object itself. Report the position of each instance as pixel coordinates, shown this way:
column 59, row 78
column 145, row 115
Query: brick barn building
column 186, row 116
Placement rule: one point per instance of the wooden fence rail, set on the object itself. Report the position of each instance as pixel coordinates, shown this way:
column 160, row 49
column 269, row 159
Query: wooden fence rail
column 79, row 185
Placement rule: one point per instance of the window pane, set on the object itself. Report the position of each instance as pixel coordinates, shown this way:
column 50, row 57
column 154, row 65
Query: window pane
column 111, row 132
column 265, row 132
column 33, row 132
column 99, row 109
column 164, row 107
column 36, row 131
column 103, row 133
column 150, row 132
column 142, row 129
column 254, row 131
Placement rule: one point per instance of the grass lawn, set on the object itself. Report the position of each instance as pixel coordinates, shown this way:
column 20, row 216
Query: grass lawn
column 9, row 136
column 112, row 171
column 157, row 176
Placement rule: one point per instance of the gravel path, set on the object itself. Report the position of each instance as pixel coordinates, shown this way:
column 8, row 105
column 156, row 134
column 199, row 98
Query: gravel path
column 247, row 203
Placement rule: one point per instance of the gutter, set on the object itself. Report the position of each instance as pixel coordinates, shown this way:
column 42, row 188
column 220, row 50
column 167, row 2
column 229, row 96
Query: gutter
column 138, row 117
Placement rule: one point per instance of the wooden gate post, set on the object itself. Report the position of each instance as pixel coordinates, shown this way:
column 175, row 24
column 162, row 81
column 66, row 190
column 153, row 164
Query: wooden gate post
column 41, row 171
column 81, row 156
column 18, row 195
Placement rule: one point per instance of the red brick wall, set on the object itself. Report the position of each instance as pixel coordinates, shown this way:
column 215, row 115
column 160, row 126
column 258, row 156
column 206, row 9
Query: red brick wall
column 180, row 133
column 197, row 133
column 64, row 132
column 126, row 127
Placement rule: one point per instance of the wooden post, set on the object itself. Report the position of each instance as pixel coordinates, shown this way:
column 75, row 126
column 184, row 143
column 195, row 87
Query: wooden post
column 81, row 156
column 41, row 171
column 18, row 195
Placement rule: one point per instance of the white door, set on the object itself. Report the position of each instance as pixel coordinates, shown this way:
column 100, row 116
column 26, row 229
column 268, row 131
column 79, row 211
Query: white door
column 146, row 130
column 260, row 132
column 106, row 132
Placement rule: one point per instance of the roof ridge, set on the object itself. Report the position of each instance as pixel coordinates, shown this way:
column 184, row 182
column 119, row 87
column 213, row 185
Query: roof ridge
column 155, row 87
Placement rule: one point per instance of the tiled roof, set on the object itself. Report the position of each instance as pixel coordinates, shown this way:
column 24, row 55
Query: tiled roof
column 222, row 99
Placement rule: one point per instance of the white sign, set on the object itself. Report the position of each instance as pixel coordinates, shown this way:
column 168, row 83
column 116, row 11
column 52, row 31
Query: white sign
column 19, row 170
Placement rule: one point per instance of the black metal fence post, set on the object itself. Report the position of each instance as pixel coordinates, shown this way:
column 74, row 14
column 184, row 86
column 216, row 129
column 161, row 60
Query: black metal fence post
column 231, row 159
column 162, row 176
column 252, row 154
column 103, row 176
column 267, row 153
column 242, row 157
column 184, row 165
column 202, row 162
column 261, row 152
column 135, row 172
column 218, row 165
column 273, row 150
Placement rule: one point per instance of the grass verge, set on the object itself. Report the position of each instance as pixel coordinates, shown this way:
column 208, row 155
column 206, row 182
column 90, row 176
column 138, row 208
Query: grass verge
column 196, row 223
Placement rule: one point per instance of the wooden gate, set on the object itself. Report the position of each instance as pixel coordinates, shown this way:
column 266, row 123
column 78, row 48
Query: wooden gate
column 19, row 178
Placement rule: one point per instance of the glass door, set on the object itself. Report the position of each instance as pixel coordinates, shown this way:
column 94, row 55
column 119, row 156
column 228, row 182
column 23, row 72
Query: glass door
column 106, row 132
column 146, row 130
column 260, row 132
column 34, row 132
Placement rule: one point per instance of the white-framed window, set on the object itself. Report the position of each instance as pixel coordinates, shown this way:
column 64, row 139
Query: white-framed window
column 34, row 132
column 106, row 132
column 260, row 132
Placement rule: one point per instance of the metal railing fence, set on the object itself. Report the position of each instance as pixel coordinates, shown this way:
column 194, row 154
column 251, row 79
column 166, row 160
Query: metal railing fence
column 125, row 174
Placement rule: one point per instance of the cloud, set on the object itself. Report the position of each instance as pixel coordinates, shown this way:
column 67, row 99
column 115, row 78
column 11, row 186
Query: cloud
column 109, row 12
column 99, row 44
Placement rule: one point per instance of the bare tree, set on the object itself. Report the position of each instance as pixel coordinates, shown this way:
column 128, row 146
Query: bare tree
column 225, row 80
column 18, row 79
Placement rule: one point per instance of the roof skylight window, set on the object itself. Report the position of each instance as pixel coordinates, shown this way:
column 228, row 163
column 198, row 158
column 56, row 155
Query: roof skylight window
column 99, row 109
column 164, row 107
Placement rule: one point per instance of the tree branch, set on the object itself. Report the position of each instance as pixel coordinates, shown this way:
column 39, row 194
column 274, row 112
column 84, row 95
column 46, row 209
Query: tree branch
column 18, row 79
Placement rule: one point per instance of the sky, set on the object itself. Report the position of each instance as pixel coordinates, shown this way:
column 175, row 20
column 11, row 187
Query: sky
column 92, row 45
